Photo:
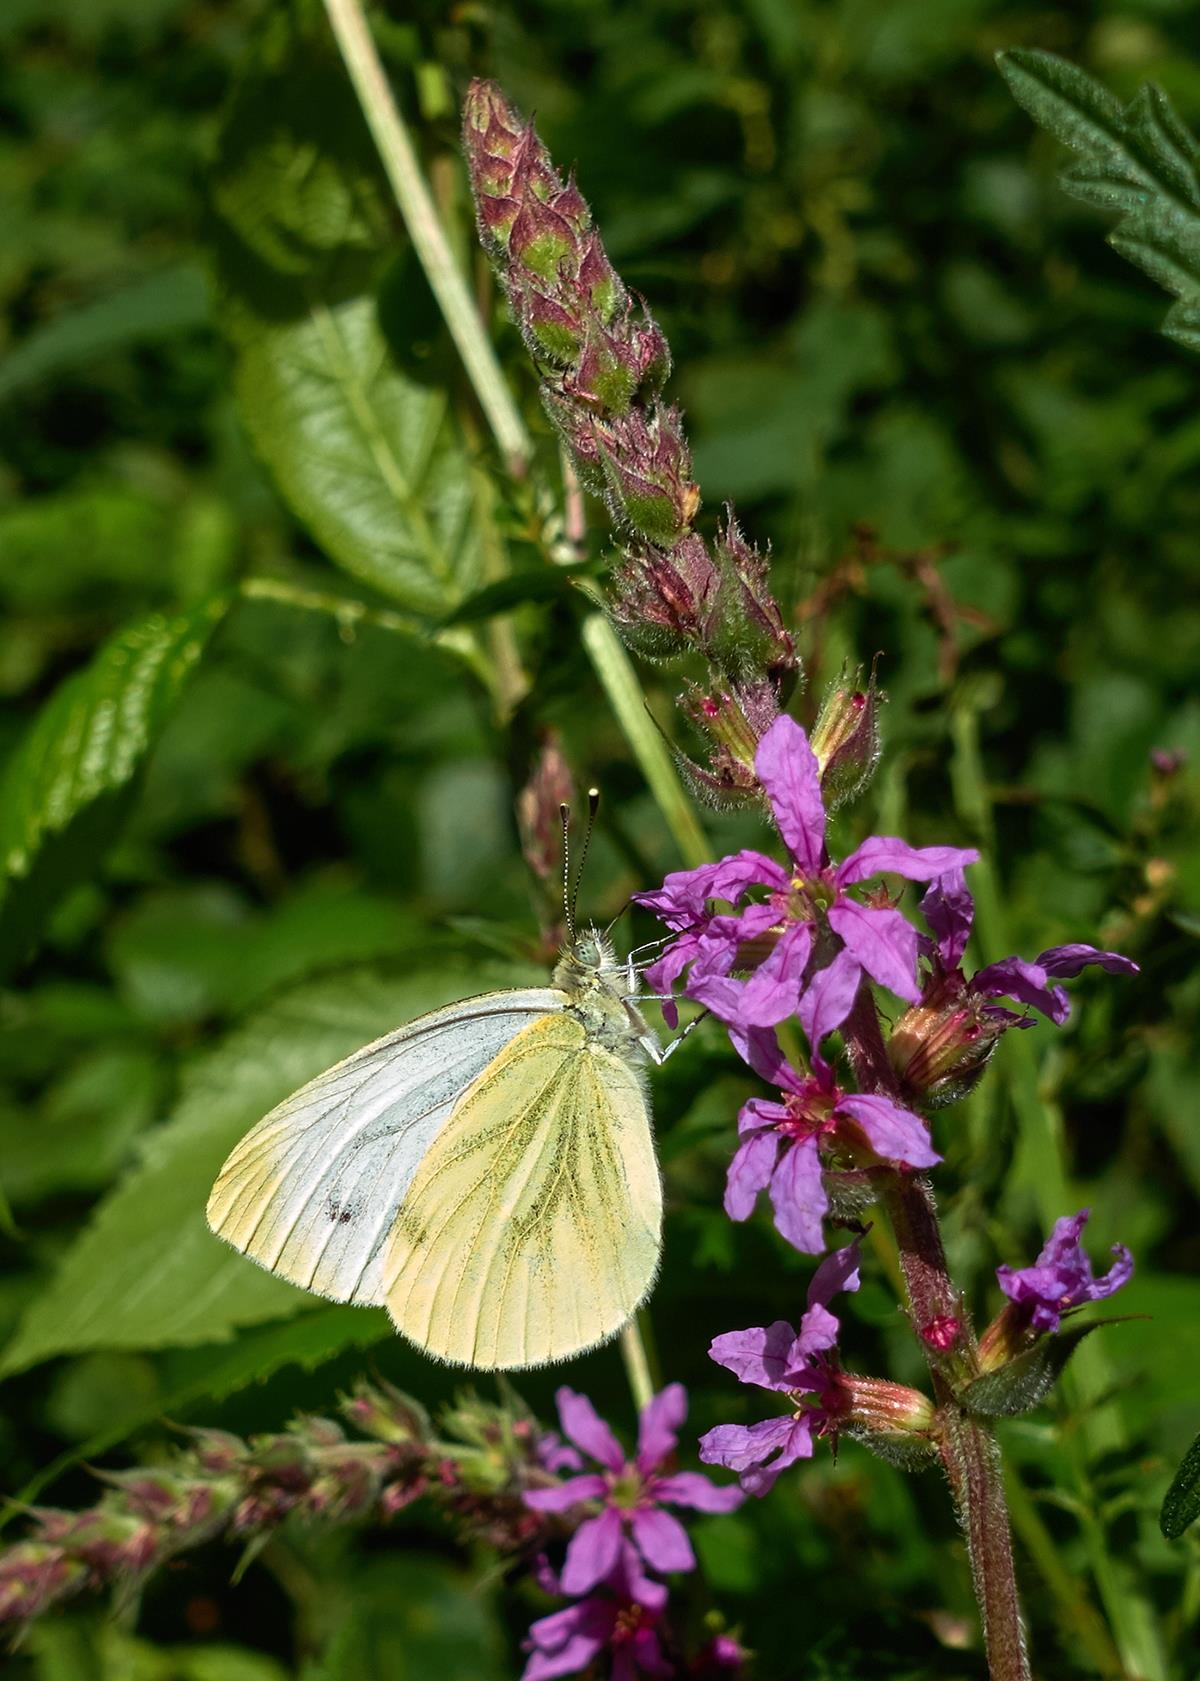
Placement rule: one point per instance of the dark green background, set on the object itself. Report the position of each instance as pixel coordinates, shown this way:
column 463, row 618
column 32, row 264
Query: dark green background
column 882, row 310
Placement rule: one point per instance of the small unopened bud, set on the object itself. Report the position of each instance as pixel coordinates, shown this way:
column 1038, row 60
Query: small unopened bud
column 33, row 1575
column 754, row 642
column 1008, row 1336
column 845, row 738
column 895, row 1422
column 942, row 1333
column 733, row 720
column 648, row 475
column 664, row 604
column 379, row 1410
column 940, row 1049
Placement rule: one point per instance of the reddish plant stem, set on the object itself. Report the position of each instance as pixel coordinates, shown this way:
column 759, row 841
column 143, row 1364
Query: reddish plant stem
column 968, row 1449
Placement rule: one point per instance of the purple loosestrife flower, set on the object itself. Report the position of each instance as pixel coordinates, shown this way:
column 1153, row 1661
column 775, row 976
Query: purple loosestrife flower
column 618, row 1620
column 797, row 1364
column 781, row 1144
column 1062, row 1276
column 941, row 1044
column 810, row 907
column 632, row 1493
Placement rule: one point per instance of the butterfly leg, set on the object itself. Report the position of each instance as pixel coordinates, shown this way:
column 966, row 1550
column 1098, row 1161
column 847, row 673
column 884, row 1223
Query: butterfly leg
column 658, row 1053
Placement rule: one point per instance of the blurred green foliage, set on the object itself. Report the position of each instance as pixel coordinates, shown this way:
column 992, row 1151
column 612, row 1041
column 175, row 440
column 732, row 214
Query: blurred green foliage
column 252, row 827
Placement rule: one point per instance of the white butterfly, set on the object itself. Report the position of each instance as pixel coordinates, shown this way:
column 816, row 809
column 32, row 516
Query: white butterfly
column 487, row 1173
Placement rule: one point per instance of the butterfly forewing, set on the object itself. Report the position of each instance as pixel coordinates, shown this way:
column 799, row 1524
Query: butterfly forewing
column 311, row 1193
column 531, row 1230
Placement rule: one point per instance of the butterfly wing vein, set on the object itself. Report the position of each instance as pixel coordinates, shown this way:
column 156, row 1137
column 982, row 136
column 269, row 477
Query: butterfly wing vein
column 531, row 1230
column 311, row 1193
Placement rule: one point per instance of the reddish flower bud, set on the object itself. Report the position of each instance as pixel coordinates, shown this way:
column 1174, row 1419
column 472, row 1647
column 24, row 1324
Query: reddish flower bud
column 940, row 1047
column 895, row 1422
column 387, row 1413
column 942, row 1333
column 845, row 738
column 734, row 720
column 33, row 1575
column 539, row 807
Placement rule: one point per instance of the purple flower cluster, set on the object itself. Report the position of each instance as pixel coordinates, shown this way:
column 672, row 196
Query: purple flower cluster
column 626, row 1533
column 810, row 914
column 756, row 943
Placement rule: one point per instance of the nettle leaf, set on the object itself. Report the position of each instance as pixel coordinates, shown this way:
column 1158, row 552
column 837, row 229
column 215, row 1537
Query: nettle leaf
column 1181, row 1503
column 147, row 1272
column 66, row 787
column 1026, row 1381
column 365, row 451
column 1139, row 160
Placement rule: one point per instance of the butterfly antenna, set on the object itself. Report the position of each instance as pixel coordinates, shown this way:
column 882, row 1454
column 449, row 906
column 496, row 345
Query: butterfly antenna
column 564, row 817
column 593, row 808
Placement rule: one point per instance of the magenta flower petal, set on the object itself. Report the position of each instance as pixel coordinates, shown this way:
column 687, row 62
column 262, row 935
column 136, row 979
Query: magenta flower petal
column 756, row 1356
column 787, row 768
column 593, row 1551
column 682, row 900
column 885, row 855
column 773, row 991
column 837, row 1272
column 828, row 997
column 566, row 1641
column 1062, row 1276
column 690, row 1488
column 799, row 1199
column 581, row 1422
column 630, row 1580
column 1069, row 960
column 1028, row 983
column 750, row 1172
column 758, row 1452
column 563, row 1496
column 818, row 1334
column 760, row 1048
column 662, row 1540
column 658, row 1428
column 894, row 1133
column 740, row 870
column 882, row 941
column 949, row 910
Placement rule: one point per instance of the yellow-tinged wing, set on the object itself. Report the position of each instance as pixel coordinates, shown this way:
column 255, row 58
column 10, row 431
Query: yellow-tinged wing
column 532, row 1227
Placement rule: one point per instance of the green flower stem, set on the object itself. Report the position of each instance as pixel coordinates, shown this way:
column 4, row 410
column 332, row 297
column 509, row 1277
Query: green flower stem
column 637, row 1365
column 470, row 336
column 624, row 691
column 967, row 1448
column 1095, row 1430
column 425, row 230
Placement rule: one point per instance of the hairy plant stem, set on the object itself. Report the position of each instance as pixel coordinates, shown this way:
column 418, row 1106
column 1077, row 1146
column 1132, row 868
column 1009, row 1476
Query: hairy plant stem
column 967, row 1447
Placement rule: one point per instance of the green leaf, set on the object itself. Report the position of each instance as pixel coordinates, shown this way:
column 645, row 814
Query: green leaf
column 147, row 1272
column 364, row 452
column 1181, row 1503
column 65, row 787
column 1026, row 1381
column 1140, row 161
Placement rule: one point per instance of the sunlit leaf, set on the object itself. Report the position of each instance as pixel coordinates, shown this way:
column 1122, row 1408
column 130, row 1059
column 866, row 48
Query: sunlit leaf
column 63, row 791
column 1139, row 160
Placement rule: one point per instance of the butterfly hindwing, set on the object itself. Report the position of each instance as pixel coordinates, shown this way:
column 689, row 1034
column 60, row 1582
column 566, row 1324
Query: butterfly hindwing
column 531, row 1229
column 311, row 1193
